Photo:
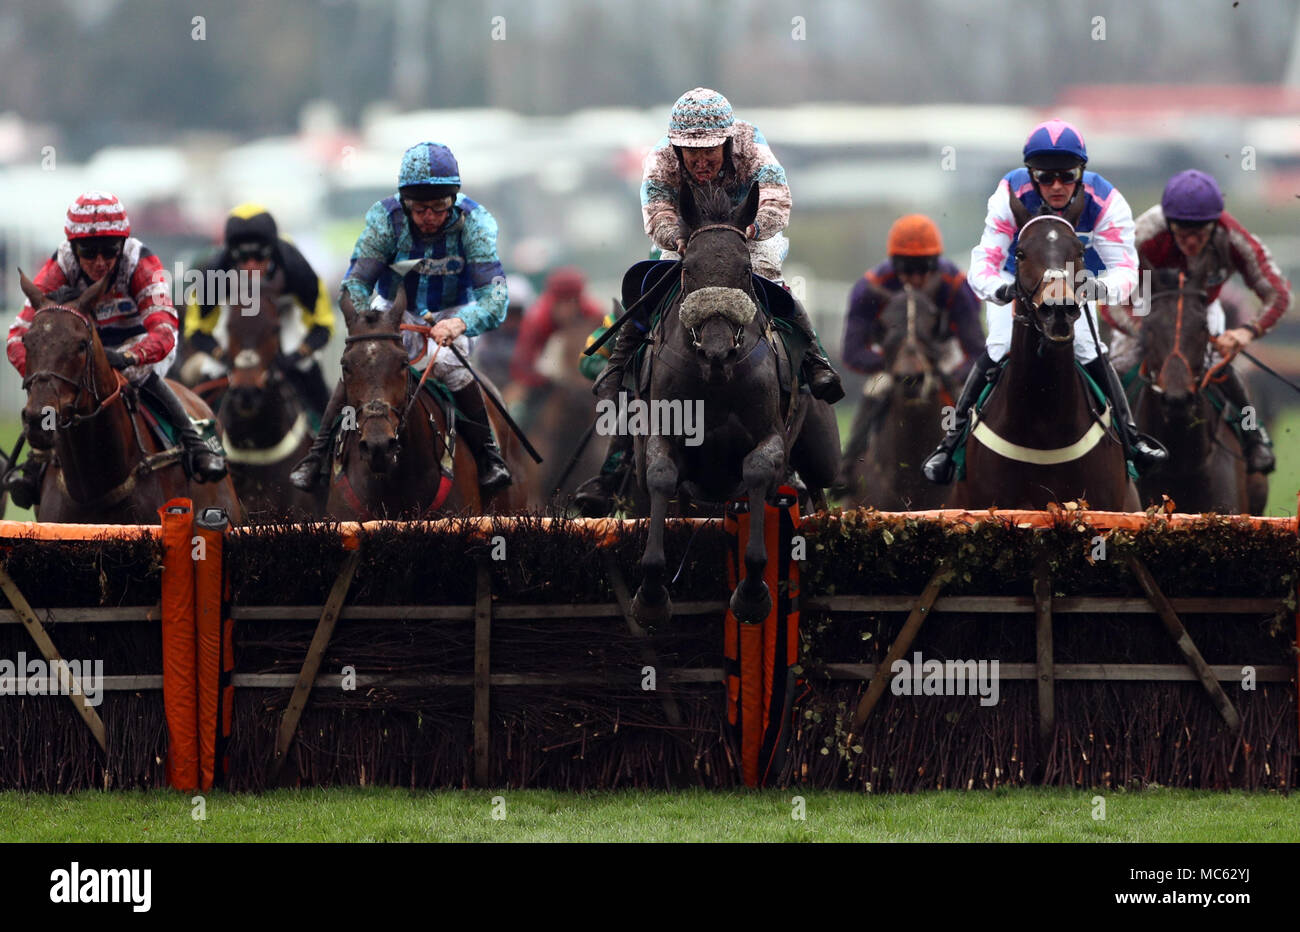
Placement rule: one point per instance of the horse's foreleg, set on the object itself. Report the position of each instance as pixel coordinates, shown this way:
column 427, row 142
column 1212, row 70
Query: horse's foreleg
column 752, row 601
column 652, row 606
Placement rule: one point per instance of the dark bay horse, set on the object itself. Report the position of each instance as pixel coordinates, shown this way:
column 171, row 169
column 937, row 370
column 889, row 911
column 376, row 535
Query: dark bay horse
column 391, row 454
column 1040, row 437
column 266, row 425
column 108, row 466
column 1206, row 470
column 909, row 330
column 713, row 349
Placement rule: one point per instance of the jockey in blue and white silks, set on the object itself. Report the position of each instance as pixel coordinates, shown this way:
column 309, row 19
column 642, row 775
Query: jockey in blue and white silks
column 441, row 247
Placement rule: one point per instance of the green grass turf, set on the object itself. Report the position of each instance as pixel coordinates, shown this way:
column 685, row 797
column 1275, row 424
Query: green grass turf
column 382, row 814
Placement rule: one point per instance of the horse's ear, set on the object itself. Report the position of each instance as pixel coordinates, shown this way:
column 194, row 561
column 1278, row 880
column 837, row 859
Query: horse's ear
column 1018, row 209
column 38, row 298
column 617, row 310
column 347, row 307
column 1074, row 210
column 882, row 295
column 687, row 209
column 932, row 286
column 86, row 303
column 744, row 215
column 398, row 309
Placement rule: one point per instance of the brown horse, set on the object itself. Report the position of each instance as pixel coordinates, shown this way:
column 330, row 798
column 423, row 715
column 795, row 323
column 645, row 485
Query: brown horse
column 1040, row 438
column 1206, row 470
column 910, row 395
column 108, row 467
column 265, row 422
column 392, row 450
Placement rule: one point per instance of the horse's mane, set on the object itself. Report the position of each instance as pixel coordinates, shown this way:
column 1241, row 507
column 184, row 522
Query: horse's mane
column 713, row 202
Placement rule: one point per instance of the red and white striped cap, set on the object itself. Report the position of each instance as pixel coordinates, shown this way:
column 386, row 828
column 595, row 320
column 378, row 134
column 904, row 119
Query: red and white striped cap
column 96, row 213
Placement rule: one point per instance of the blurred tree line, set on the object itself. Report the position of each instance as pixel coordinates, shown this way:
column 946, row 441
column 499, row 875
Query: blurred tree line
column 131, row 70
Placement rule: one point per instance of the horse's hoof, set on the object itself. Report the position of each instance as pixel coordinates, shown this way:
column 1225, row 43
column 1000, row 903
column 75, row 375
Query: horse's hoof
column 751, row 610
column 650, row 614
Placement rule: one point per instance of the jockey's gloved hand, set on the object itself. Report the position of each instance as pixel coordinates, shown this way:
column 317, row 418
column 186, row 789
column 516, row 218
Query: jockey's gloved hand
column 119, row 359
column 1005, row 294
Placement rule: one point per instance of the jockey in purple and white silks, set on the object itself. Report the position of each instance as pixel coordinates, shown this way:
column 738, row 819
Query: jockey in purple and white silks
column 1052, row 178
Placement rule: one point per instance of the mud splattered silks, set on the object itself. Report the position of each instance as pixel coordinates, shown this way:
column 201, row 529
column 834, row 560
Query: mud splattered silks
column 459, row 273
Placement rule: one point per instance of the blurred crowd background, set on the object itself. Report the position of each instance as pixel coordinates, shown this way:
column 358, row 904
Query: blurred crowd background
column 875, row 110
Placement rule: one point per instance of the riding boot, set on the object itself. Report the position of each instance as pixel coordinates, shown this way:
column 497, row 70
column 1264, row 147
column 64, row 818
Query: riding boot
column 1146, row 452
column 23, row 480
column 939, row 468
column 626, row 341
column 307, row 473
column 201, row 462
column 1255, row 441
column 595, row 497
column 823, row 380
column 869, row 411
column 474, row 426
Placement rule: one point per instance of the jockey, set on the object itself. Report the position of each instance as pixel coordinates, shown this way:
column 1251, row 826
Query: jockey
column 1053, row 177
column 706, row 144
column 253, row 245
column 457, row 284
column 135, row 319
column 915, row 259
column 1190, row 225
column 563, row 302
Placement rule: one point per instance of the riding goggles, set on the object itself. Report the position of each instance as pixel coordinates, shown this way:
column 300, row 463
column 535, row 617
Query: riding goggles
column 915, row 265
column 1190, row 226
column 1049, row 176
column 89, row 249
column 245, row 251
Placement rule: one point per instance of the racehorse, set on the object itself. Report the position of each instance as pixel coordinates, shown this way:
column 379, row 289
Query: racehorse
column 564, row 411
column 1206, row 470
column 714, row 349
column 394, row 457
column 108, row 467
column 266, row 425
column 909, row 330
column 1039, row 438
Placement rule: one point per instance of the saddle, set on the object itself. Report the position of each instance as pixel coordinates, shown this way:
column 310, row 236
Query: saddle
column 165, row 433
column 1101, row 413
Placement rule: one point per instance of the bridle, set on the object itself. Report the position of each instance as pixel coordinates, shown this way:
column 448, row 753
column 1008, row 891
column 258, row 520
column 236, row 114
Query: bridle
column 378, row 407
column 740, row 330
column 1177, row 353
column 85, row 383
column 1025, row 306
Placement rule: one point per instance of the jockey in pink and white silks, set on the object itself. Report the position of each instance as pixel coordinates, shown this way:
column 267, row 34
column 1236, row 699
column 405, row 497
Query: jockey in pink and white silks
column 1052, row 178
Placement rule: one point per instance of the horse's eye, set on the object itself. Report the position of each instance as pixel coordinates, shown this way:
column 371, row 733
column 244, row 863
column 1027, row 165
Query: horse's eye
column 85, row 346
